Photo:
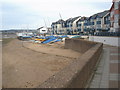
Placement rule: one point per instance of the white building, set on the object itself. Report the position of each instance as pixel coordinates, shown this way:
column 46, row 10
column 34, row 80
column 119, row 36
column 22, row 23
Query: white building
column 42, row 30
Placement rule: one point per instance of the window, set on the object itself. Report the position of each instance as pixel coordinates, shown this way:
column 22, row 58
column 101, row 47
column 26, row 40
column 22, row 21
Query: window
column 79, row 29
column 88, row 23
column 43, row 30
column 116, row 5
column 79, row 25
column 85, row 24
column 112, row 13
column 98, row 22
column 116, row 17
column 92, row 23
column 119, row 21
column 98, row 19
column 75, row 30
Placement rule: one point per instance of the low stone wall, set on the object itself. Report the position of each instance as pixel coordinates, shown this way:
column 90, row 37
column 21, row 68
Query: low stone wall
column 77, row 73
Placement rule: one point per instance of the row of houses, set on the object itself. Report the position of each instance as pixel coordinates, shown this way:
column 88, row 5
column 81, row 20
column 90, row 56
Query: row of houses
column 106, row 21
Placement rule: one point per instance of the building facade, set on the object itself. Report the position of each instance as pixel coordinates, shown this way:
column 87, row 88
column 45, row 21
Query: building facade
column 82, row 25
column 99, row 22
column 103, row 21
column 106, row 21
column 115, row 16
column 74, row 24
column 42, row 30
column 68, row 26
column 106, row 25
column 58, row 27
column 92, row 20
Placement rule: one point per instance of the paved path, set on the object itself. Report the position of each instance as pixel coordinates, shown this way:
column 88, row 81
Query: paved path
column 107, row 74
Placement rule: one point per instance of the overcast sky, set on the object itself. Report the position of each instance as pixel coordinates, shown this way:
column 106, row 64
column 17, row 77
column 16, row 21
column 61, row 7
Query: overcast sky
column 35, row 13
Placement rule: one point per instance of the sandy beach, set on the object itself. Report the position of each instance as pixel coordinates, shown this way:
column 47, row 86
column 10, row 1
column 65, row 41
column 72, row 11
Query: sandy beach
column 27, row 65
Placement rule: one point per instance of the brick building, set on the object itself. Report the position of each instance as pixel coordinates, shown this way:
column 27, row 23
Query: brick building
column 115, row 16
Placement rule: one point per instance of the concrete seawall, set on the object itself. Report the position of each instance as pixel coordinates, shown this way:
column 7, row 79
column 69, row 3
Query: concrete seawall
column 77, row 73
column 78, row 45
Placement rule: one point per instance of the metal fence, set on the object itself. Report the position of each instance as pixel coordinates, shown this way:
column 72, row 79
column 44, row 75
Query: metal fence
column 107, row 34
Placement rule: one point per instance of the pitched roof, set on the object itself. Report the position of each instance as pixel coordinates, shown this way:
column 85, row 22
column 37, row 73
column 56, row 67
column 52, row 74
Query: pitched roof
column 72, row 19
column 59, row 21
column 94, row 16
column 40, row 28
column 82, row 19
column 102, row 14
column 68, row 20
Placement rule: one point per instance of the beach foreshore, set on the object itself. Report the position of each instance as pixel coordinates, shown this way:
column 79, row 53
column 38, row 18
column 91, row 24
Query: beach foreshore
column 27, row 65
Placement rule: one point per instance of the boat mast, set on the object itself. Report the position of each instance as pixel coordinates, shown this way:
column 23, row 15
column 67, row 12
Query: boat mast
column 45, row 23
